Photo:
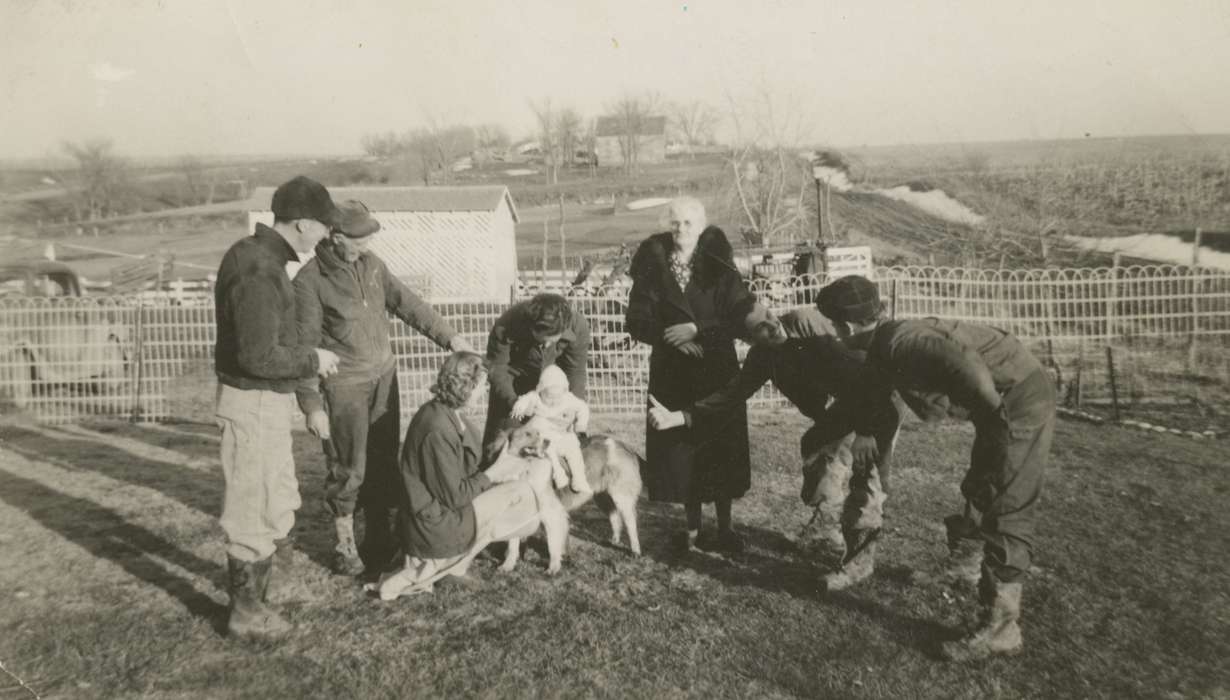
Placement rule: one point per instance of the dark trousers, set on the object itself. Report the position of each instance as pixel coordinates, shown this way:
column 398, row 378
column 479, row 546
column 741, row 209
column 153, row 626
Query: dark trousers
column 1004, row 482
column 361, row 455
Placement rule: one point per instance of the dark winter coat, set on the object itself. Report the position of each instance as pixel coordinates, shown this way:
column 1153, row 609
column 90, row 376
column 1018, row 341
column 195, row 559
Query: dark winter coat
column 709, row 460
column 517, row 361
column 258, row 345
column 440, row 478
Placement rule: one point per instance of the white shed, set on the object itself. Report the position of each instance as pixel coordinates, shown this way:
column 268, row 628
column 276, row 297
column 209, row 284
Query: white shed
column 447, row 243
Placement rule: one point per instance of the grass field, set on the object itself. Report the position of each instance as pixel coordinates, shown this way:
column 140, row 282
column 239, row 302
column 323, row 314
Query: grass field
column 113, row 585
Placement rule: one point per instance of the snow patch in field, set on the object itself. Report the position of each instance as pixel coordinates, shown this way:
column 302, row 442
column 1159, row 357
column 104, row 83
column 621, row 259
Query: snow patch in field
column 520, row 171
column 837, row 180
column 1153, row 246
column 648, row 203
column 936, row 203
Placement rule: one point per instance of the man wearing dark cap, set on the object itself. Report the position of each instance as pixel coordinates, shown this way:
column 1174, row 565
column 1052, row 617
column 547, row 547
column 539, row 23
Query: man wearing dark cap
column 259, row 359
column 529, row 336
column 799, row 352
column 1009, row 397
column 342, row 296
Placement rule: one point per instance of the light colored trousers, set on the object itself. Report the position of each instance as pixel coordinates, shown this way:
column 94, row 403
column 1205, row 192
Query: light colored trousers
column 503, row 512
column 846, row 501
column 262, row 493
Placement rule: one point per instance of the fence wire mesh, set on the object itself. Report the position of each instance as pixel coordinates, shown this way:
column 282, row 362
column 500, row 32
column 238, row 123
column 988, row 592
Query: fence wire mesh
column 62, row 360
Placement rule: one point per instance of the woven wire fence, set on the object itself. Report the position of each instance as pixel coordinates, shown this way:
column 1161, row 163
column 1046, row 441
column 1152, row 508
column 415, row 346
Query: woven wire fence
column 1168, row 330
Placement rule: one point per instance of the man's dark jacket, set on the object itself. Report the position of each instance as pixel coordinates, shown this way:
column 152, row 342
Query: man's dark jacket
column 258, row 344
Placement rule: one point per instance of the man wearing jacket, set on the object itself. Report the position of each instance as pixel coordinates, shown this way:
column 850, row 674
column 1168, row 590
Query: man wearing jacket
column 529, row 336
column 259, row 359
column 1010, row 399
column 342, row 296
column 799, row 352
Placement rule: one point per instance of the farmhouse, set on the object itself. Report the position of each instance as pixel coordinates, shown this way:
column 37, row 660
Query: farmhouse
column 447, row 243
column 610, row 136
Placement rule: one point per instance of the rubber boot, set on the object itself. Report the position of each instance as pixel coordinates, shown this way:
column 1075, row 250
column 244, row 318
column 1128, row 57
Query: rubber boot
column 821, row 538
column 859, row 565
column 998, row 631
column 250, row 617
column 377, row 549
column 284, row 551
column 346, row 561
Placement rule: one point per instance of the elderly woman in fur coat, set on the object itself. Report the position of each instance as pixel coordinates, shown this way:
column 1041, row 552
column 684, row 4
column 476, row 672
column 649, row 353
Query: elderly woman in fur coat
column 684, row 283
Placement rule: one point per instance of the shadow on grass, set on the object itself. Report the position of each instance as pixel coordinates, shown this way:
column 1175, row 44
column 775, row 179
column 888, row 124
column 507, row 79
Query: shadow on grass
column 770, row 562
column 195, row 488
column 200, row 488
column 105, row 534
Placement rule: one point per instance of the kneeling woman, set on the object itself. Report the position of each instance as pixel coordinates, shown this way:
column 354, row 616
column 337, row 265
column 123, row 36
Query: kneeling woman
column 448, row 509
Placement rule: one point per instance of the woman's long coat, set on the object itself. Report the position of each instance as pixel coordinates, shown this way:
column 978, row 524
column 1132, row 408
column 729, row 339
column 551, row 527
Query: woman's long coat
column 708, row 460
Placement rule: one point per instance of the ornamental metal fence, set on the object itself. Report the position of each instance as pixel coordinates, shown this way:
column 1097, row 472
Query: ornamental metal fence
column 1168, row 330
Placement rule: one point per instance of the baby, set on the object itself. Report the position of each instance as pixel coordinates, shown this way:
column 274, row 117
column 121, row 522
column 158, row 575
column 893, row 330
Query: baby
column 559, row 416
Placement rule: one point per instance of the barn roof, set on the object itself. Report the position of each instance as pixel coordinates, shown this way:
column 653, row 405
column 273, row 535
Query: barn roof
column 411, row 199
column 613, row 126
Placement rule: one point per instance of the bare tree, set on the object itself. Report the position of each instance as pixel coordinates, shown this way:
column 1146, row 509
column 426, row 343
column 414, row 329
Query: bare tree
column 491, row 136
column 193, row 187
column 631, row 114
column 693, row 122
column 768, row 181
column 568, row 133
column 434, row 149
column 386, row 145
column 102, row 179
column 548, row 137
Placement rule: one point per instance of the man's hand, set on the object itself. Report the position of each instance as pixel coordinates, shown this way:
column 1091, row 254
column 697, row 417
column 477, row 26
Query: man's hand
column 318, row 424
column 327, row 363
column 692, row 350
column 526, row 405
column 460, row 344
column 680, row 333
column 662, row 418
column 865, row 450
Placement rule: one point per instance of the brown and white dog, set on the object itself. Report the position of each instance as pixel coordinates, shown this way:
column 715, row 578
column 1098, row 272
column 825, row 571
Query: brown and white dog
column 614, row 473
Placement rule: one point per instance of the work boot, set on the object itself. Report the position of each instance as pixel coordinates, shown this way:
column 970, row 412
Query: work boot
column 346, row 560
column 250, row 617
column 998, row 631
column 821, row 538
column 964, row 561
column 859, row 565
column 377, row 549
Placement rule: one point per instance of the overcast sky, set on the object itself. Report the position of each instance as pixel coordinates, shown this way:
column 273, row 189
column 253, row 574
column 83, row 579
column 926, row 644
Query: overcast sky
column 310, row 76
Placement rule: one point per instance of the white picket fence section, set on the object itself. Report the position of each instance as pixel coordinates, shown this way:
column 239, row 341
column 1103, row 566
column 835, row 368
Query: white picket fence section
column 1169, row 328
